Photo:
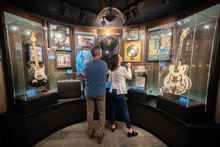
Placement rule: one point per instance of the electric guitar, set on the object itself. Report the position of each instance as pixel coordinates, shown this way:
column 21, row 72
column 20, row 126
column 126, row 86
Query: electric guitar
column 177, row 82
column 39, row 77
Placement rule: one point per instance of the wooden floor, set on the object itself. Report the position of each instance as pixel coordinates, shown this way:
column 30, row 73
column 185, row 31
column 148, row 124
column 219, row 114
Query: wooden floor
column 76, row 136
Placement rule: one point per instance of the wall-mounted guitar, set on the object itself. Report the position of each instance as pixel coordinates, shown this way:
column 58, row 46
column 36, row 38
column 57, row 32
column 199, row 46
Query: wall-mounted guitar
column 177, row 82
column 39, row 77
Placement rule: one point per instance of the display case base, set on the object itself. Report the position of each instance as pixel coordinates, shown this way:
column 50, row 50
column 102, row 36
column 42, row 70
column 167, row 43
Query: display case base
column 137, row 96
column 190, row 111
column 41, row 101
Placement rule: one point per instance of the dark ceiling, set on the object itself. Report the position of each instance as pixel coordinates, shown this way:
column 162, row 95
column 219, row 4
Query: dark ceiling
column 149, row 10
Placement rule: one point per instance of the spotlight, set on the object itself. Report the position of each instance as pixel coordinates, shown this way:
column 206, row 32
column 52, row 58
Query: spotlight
column 110, row 17
column 165, row 2
column 82, row 16
column 135, row 11
column 127, row 14
column 63, row 8
column 103, row 21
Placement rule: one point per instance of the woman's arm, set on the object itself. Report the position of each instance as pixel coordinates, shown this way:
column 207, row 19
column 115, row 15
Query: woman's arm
column 127, row 73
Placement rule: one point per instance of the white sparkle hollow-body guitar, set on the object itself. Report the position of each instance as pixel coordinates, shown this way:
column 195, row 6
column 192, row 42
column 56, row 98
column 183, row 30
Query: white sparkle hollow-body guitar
column 177, row 81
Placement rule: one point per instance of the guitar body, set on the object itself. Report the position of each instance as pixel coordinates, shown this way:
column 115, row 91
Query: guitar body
column 39, row 77
column 177, row 82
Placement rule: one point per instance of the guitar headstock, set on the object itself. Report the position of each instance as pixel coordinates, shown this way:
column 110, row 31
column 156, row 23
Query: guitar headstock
column 184, row 34
column 33, row 37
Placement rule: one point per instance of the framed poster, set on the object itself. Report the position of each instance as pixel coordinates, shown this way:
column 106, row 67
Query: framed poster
column 166, row 44
column 84, row 41
column 133, row 34
column 63, row 59
column 39, row 53
column 154, row 45
column 132, row 51
column 160, row 44
column 59, row 37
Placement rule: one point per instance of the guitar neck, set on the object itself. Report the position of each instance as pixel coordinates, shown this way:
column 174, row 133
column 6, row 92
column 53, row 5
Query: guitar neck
column 35, row 55
column 178, row 55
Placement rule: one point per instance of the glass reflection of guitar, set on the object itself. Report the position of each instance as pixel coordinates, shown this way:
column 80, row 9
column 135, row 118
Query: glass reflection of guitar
column 39, row 78
column 177, row 82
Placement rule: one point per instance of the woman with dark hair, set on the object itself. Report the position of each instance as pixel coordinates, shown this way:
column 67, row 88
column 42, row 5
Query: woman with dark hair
column 117, row 77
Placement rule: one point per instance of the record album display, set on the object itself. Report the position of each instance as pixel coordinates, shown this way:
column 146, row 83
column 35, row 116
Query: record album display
column 132, row 51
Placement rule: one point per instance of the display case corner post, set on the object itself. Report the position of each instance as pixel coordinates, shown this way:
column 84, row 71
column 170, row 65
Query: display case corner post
column 6, row 64
column 214, row 75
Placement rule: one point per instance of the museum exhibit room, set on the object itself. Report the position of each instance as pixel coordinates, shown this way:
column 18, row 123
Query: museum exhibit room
column 109, row 73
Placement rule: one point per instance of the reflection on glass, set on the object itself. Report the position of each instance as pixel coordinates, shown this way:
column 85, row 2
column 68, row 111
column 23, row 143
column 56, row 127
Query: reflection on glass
column 186, row 75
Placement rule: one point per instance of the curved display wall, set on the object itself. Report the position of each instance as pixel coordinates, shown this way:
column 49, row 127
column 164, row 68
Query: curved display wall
column 173, row 70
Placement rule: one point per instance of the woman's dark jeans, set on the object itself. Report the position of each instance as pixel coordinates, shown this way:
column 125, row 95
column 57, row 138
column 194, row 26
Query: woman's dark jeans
column 120, row 99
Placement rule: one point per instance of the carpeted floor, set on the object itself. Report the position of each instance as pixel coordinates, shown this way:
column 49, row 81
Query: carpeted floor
column 76, row 136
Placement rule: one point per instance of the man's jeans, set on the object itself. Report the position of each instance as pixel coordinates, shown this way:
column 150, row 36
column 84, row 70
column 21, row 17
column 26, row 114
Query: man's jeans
column 90, row 103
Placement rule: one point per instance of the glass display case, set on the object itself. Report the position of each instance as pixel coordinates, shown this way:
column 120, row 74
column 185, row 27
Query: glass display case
column 185, row 77
column 27, row 56
column 36, row 69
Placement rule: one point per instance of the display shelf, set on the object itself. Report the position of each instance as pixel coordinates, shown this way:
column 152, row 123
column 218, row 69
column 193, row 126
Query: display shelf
column 177, row 107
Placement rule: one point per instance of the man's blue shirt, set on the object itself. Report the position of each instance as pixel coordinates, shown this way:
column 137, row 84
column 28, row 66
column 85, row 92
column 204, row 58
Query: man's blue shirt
column 95, row 78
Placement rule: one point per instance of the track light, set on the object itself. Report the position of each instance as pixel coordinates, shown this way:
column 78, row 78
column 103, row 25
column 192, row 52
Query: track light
column 135, row 11
column 103, row 21
column 127, row 15
column 82, row 16
column 110, row 16
column 63, row 8
column 165, row 2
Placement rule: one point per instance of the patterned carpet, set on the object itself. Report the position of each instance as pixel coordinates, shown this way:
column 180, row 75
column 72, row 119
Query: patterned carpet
column 75, row 136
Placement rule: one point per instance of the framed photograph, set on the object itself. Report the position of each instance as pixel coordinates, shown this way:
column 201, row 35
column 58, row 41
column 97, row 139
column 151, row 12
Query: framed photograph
column 132, row 51
column 133, row 34
column 63, row 59
column 160, row 44
column 31, row 53
column 84, row 41
column 59, row 37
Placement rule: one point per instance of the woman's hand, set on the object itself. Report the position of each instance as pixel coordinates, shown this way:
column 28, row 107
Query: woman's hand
column 129, row 65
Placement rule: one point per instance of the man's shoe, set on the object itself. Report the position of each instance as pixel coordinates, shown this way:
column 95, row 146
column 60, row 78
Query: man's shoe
column 100, row 138
column 91, row 136
column 132, row 134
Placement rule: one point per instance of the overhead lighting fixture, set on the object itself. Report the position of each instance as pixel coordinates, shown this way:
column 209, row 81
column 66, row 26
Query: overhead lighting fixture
column 82, row 16
column 110, row 16
column 127, row 15
column 63, row 8
column 164, row 2
column 103, row 21
column 135, row 11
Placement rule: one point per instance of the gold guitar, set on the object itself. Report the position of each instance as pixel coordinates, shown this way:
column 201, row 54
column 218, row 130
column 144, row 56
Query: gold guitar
column 177, row 82
column 39, row 77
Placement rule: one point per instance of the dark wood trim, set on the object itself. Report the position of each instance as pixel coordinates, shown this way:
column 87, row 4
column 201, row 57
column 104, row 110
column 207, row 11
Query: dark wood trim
column 8, row 74
column 214, row 74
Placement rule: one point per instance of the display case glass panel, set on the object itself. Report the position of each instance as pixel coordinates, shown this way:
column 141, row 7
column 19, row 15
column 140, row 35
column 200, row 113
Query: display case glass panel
column 21, row 35
column 186, row 76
